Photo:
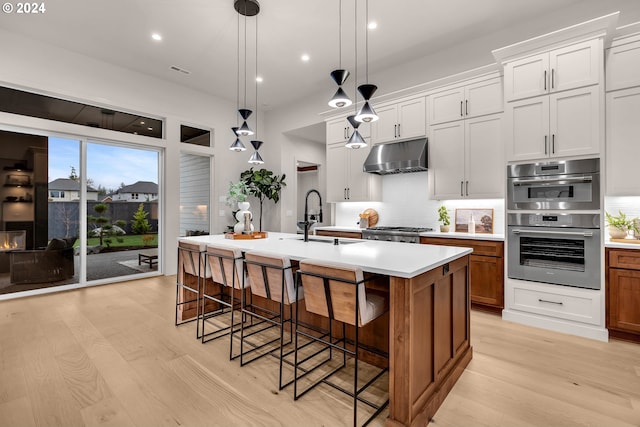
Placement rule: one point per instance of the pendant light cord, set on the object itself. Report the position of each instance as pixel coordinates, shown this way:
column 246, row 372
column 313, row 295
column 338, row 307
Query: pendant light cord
column 355, row 89
column 366, row 41
column 340, row 35
column 245, row 54
column 256, row 76
column 238, row 69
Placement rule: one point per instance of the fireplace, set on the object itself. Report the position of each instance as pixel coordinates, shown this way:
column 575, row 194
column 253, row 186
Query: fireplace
column 13, row 240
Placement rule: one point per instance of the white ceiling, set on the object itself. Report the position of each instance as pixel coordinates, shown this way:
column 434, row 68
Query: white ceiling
column 201, row 35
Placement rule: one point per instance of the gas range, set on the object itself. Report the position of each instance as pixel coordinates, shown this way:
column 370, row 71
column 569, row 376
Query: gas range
column 395, row 234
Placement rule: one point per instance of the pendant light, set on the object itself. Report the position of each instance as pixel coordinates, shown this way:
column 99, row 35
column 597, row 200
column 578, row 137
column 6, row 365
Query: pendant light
column 245, row 8
column 367, row 113
column 340, row 99
column 237, row 146
column 255, row 158
column 355, row 140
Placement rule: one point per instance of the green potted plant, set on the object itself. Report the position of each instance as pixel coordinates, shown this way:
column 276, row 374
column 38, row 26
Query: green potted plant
column 619, row 225
column 263, row 184
column 443, row 217
column 237, row 193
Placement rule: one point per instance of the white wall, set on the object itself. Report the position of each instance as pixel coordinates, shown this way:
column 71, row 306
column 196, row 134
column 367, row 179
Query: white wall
column 31, row 65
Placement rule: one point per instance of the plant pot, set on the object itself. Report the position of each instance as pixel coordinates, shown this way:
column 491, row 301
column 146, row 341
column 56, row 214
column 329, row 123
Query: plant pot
column 616, row 233
column 444, row 228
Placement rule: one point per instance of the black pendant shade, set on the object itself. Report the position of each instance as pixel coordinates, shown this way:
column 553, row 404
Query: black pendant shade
column 352, row 120
column 244, row 113
column 367, row 114
column 256, row 144
column 340, row 99
column 340, row 76
column 255, row 158
column 356, row 140
column 237, row 145
column 367, row 91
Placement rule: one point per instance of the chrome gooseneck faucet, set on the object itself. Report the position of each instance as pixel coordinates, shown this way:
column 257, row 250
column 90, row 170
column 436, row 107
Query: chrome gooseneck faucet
column 306, row 222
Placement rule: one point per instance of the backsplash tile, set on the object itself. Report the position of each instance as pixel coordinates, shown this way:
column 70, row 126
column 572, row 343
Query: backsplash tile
column 406, row 202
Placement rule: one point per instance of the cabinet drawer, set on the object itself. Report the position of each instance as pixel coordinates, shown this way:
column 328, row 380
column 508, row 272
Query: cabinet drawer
column 583, row 309
column 480, row 247
column 628, row 259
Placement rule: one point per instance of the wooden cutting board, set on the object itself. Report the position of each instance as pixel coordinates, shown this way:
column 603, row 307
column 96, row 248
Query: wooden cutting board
column 373, row 216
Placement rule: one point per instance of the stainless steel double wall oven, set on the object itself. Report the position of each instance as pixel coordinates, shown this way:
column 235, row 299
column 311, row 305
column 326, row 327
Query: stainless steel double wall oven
column 554, row 222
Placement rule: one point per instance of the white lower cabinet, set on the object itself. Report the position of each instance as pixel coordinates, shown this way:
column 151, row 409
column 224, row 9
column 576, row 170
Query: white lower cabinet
column 562, row 124
column 623, row 149
column 466, row 158
column 561, row 308
column 346, row 182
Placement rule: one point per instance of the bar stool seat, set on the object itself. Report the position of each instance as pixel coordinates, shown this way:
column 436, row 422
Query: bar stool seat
column 191, row 263
column 227, row 276
column 337, row 291
column 271, row 278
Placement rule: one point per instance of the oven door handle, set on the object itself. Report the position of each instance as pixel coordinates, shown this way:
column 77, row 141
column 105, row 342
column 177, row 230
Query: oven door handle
column 518, row 182
column 560, row 233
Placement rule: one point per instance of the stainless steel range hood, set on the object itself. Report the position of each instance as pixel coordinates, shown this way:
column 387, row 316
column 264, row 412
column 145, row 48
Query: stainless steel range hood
column 397, row 157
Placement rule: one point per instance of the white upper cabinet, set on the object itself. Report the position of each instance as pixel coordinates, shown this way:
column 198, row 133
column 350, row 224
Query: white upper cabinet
column 400, row 121
column 623, row 64
column 565, row 68
column 340, row 130
column 466, row 158
column 623, row 149
column 461, row 102
column 563, row 124
column 346, row 182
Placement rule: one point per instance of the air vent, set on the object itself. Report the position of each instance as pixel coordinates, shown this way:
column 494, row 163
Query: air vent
column 180, row 70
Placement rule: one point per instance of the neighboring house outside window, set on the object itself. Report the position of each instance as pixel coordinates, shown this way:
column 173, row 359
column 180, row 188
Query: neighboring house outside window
column 141, row 191
column 68, row 190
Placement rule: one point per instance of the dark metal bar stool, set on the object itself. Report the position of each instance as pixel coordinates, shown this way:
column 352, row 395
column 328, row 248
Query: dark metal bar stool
column 337, row 291
column 191, row 263
column 271, row 278
column 227, row 276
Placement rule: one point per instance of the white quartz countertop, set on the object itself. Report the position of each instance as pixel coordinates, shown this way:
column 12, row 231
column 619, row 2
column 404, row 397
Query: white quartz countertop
column 619, row 245
column 451, row 235
column 389, row 258
column 457, row 235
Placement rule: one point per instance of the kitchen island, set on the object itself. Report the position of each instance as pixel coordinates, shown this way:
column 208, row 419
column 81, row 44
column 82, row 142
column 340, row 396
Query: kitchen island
column 428, row 323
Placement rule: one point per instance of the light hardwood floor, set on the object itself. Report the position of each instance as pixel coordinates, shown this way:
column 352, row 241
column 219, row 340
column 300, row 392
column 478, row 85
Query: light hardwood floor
column 111, row 356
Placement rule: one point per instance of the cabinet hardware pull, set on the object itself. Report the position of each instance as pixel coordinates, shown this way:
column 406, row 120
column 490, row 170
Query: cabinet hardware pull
column 398, row 130
column 348, row 193
column 545, row 144
column 553, row 143
column 550, row 302
column 461, row 188
column 395, row 131
column 344, row 193
column 553, row 72
column 467, row 187
column 466, row 107
column 461, row 115
column 545, row 80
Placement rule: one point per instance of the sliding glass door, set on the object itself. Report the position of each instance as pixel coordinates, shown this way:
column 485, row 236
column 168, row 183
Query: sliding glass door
column 122, row 196
column 75, row 212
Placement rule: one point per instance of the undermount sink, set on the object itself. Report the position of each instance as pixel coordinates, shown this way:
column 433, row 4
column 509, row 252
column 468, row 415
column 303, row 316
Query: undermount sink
column 330, row 241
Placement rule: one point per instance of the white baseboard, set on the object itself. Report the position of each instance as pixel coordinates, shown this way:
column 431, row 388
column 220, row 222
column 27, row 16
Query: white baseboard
column 558, row 325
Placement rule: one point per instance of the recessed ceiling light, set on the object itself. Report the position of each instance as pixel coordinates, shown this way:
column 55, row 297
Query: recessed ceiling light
column 156, row 36
column 259, row 79
column 372, row 25
column 149, row 128
column 141, row 123
column 305, row 57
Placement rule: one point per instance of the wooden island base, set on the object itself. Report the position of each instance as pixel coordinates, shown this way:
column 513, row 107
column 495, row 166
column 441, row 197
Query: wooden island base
column 427, row 335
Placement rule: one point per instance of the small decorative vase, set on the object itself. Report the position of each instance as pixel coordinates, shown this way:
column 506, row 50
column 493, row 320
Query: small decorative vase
column 617, row 233
column 239, row 227
column 444, row 228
